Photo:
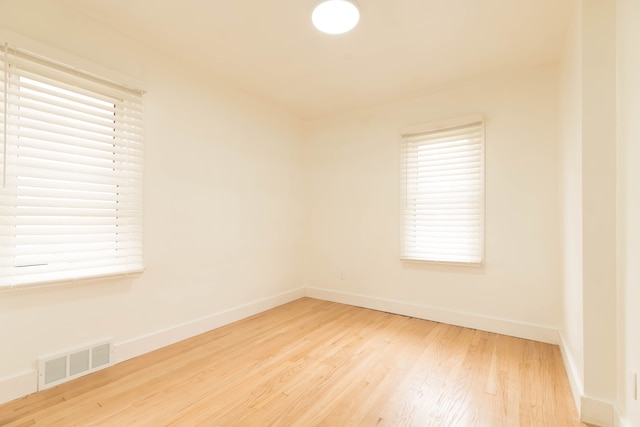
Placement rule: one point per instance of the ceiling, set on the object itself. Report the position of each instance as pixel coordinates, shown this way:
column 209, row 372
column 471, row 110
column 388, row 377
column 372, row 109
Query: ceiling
column 400, row 48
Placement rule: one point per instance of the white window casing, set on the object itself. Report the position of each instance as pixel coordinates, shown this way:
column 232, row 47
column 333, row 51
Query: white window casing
column 71, row 148
column 442, row 190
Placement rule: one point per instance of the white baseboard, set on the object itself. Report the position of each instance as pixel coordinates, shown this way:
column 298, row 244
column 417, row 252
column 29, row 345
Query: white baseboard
column 17, row 386
column 592, row 411
column 468, row 320
column 601, row 413
column 620, row 422
column 138, row 346
column 20, row 385
column 26, row 383
column 575, row 379
column 598, row 412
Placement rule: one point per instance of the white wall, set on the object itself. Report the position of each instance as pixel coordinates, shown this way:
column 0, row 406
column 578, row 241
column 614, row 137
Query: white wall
column 590, row 178
column 353, row 164
column 628, row 14
column 223, row 200
column 571, row 328
column 599, row 197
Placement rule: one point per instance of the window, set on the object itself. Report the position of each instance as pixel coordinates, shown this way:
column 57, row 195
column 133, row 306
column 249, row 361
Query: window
column 71, row 183
column 442, row 179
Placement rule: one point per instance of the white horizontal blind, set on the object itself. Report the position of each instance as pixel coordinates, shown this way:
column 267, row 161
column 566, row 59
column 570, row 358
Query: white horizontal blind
column 71, row 196
column 442, row 180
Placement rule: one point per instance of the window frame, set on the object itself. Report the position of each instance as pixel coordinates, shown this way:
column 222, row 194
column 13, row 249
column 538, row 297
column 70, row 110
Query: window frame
column 20, row 68
column 433, row 128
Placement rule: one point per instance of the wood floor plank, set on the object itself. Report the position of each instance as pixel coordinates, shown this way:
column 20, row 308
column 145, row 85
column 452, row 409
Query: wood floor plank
column 318, row 363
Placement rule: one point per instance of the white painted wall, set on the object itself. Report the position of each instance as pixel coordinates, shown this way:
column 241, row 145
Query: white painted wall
column 628, row 16
column 598, row 106
column 599, row 197
column 571, row 328
column 223, row 200
column 353, row 164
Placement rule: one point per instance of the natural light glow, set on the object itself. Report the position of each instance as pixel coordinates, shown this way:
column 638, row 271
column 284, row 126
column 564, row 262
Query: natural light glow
column 335, row 16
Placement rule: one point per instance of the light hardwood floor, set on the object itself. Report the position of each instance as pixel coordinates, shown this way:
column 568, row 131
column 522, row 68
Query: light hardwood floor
column 312, row 363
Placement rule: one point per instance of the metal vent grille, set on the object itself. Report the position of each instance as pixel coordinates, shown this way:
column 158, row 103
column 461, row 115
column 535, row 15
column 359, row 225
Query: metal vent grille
column 54, row 370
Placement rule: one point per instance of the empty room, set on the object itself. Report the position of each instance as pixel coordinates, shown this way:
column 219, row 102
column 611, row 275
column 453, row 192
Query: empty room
column 277, row 213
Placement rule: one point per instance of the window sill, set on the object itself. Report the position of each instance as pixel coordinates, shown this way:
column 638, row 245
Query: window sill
column 444, row 263
column 59, row 283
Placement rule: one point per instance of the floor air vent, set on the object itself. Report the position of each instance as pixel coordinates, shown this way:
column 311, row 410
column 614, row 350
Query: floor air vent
column 57, row 369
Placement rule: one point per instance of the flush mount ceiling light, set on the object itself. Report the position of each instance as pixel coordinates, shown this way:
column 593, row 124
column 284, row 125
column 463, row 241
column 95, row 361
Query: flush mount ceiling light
column 335, row 16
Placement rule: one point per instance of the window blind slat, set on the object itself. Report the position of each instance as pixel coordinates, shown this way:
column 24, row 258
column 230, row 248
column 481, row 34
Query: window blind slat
column 128, row 145
column 75, row 247
column 46, row 230
column 32, row 121
column 12, row 223
column 31, row 117
column 68, row 195
column 39, row 97
column 442, row 162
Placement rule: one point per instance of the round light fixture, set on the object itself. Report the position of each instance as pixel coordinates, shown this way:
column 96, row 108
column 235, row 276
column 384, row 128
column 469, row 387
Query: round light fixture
column 335, row 16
